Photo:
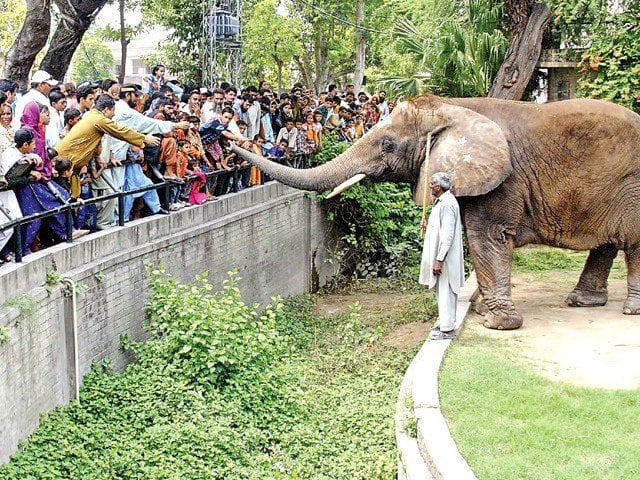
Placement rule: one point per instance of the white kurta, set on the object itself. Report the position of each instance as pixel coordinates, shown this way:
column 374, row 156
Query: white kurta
column 443, row 242
column 127, row 116
column 7, row 197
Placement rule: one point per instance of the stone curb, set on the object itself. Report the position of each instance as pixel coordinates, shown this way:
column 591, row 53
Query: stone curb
column 429, row 452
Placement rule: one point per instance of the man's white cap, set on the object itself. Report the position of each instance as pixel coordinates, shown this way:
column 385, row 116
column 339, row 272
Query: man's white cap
column 42, row 76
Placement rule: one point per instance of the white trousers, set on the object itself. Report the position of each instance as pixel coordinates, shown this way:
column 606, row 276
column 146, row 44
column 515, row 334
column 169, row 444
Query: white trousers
column 447, row 301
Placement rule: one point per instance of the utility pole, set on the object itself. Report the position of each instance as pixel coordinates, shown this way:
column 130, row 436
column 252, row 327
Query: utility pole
column 361, row 46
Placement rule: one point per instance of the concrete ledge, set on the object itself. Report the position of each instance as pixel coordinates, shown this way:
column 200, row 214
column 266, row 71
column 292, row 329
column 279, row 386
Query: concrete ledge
column 429, row 452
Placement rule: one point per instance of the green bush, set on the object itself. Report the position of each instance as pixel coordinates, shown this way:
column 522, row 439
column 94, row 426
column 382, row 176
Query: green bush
column 220, row 391
column 379, row 224
column 211, row 337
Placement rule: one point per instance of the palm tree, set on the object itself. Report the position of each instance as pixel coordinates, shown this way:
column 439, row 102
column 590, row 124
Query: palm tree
column 459, row 56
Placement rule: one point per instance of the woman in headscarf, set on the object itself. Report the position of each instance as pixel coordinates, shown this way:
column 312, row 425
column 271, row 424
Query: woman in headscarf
column 43, row 194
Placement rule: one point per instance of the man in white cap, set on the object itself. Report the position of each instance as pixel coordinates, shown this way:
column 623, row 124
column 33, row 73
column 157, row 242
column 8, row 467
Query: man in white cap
column 41, row 83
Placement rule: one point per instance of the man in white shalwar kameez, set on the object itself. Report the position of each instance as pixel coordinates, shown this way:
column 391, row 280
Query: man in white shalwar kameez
column 442, row 264
column 131, row 175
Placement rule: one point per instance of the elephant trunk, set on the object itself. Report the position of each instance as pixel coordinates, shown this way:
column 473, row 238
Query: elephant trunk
column 319, row 178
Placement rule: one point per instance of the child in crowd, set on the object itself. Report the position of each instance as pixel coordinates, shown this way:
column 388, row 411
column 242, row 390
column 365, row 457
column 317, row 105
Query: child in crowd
column 350, row 131
column 279, row 151
column 289, row 133
column 301, row 141
column 311, row 134
column 242, row 126
column 256, row 147
column 359, row 126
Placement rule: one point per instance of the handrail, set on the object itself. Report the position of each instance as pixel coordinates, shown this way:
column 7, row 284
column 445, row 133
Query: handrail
column 67, row 208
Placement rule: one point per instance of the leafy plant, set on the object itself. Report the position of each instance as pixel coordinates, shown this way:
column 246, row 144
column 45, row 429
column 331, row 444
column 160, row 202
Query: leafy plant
column 609, row 37
column 378, row 225
column 53, row 277
column 409, row 421
column 4, row 334
column 221, row 391
column 213, row 337
column 26, row 304
column 457, row 54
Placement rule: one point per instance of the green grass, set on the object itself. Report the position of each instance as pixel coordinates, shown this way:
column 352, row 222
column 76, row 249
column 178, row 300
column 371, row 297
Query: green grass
column 539, row 259
column 510, row 423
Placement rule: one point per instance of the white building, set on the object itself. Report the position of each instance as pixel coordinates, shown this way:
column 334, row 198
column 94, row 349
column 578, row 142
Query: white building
column 138, row 49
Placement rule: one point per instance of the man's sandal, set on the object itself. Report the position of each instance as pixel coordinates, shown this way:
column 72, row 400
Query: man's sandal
column 440, row 335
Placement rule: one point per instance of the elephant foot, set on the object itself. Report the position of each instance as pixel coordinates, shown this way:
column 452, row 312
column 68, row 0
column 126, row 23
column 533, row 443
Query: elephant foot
column 480, row 307
column 500, row 320
column 631, row 306
column 587, row 298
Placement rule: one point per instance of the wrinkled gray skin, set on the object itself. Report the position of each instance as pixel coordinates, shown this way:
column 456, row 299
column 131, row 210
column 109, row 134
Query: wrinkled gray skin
column 565, row 174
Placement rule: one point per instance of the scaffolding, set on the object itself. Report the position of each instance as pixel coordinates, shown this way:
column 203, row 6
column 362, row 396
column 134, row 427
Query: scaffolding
column 222, row 41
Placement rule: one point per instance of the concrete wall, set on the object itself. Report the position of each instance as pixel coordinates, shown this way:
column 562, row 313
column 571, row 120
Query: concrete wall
column 274, row 236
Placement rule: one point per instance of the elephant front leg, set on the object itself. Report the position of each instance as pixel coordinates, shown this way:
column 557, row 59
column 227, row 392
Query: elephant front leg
column 632, row 303
column 591, row 290
column 492, row 262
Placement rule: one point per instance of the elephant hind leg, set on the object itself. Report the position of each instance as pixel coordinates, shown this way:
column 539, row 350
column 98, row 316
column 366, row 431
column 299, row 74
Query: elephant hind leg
column 591, row 290
column 632, row 303
column 492, row 262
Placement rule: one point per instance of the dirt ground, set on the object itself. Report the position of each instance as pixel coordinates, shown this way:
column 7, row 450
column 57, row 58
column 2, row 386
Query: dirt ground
column 594, row 347
column 385, row 304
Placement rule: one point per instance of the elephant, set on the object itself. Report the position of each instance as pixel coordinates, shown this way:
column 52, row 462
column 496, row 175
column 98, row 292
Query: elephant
column 564, row 174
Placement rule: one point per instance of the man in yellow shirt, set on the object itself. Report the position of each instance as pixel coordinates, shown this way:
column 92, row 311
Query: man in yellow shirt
column 81, row 141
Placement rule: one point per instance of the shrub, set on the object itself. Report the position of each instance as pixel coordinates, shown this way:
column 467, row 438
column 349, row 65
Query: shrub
column 379, row 224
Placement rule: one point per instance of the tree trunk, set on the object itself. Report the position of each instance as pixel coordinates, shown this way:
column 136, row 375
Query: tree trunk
column 358, row 74
column 124, row 42
column 527, row 22
column 321, row 51
column 75, row 19
column 31, row 39
column 280, row 65
column 303, row 66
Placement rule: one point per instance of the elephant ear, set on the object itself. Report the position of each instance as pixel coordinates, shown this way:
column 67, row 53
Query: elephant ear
column 471, row 149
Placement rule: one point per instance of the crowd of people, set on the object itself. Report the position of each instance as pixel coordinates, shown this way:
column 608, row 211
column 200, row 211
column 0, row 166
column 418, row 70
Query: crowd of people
column 63, row 143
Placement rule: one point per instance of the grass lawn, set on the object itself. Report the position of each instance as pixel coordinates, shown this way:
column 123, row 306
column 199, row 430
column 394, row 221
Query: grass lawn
column 511, row 423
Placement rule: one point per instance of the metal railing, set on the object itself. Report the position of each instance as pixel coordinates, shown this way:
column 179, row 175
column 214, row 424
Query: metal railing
column 67, row 208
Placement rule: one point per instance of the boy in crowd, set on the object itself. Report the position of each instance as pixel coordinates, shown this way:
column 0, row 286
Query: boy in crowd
column 288, row 133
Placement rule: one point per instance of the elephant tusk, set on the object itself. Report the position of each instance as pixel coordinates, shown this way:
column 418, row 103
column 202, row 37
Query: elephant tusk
column 346, row 184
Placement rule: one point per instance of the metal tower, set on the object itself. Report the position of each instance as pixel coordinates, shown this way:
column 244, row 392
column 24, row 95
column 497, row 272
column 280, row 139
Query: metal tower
column 222, row 41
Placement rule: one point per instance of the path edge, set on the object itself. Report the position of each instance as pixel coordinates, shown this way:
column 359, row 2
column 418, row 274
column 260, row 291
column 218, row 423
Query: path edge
column 429, row 452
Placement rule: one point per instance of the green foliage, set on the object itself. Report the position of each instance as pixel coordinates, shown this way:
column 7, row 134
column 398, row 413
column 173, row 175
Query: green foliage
column 12, row 14
column 181, row 53
column 4, row 334
column 537, row 428
column 223, row 392
column 272, row 41
column 53, row 277
column 409, row 422
column 379, row 224
column 544, row 259
column 26, row 304
column 610, row 66
column 211, row 337
column 456, row 52
column 92, row 59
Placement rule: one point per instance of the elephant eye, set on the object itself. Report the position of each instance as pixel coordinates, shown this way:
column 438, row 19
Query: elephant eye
column 388, row 145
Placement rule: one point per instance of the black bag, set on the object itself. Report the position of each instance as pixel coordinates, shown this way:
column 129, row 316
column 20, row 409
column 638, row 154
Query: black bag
column 19, row 173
